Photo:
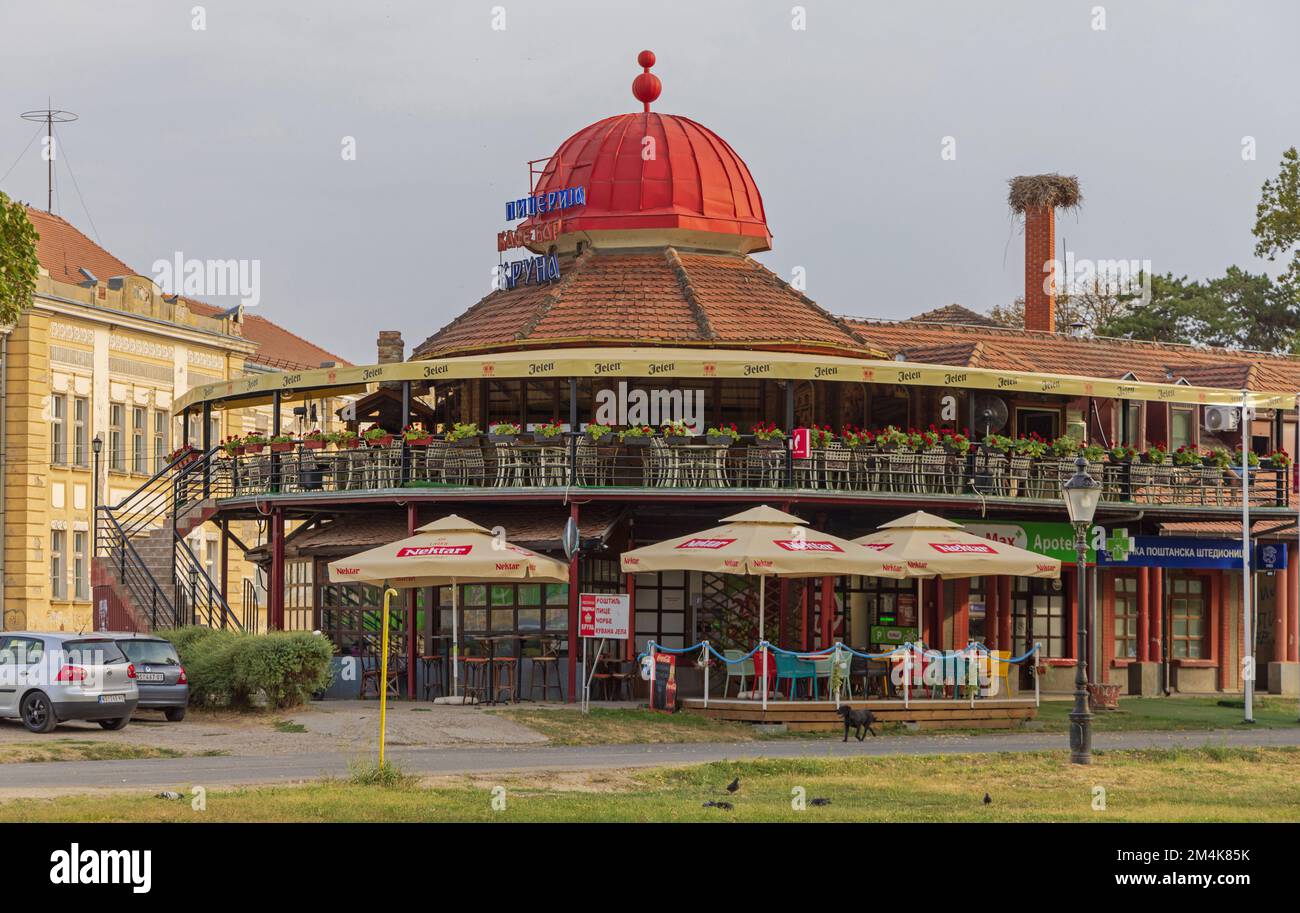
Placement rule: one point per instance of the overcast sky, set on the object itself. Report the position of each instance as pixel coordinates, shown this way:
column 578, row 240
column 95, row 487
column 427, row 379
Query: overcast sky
column 226, row 142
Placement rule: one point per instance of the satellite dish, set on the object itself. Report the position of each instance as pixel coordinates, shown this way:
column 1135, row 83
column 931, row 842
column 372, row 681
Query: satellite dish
column 569, row 538
column 990, row 414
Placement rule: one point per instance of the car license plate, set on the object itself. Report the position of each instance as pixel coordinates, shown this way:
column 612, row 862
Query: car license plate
column 112, row 698
column 150, row 676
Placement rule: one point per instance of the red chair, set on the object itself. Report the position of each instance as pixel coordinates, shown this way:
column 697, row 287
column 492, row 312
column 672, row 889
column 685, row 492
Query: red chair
column 764, row 673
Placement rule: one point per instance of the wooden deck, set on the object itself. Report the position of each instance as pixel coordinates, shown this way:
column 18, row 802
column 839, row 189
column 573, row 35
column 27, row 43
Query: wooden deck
column 809, row 716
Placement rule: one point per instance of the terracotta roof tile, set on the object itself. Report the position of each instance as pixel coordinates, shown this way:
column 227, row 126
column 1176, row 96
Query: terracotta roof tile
column 1053, row 353
column 661, row 297
column 63, row 250
column 956, row 314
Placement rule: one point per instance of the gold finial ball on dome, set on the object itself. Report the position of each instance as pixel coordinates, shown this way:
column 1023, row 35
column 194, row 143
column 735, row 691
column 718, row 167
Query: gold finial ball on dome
column 646, row 87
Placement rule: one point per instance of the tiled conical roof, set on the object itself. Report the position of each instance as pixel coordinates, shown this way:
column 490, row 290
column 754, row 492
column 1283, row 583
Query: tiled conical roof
column 656, row 297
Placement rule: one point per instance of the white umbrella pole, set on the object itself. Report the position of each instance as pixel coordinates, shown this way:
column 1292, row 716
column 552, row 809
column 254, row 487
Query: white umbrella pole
column 762, row 610
column 455, row 639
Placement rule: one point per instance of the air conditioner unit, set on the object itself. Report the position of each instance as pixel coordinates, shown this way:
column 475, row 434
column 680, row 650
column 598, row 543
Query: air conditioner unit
column 1222, row 418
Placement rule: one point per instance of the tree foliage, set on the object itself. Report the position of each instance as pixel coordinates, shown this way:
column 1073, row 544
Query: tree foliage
column 18, row 264
column 1277, row 219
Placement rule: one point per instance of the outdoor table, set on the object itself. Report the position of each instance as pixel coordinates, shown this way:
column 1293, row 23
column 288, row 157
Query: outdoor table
column 491, row 641
column 697, row 466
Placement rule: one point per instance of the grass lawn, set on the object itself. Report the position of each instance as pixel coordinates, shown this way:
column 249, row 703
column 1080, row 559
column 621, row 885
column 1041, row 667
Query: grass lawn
column 1175, row 713
column 80, row 750
column 611, row 726
column 1204, row 784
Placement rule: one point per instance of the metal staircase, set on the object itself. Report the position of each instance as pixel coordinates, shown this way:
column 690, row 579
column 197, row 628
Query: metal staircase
column 141, row 555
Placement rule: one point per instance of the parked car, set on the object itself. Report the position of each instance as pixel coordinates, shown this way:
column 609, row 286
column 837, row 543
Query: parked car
column 46, row 679
column 158, row 674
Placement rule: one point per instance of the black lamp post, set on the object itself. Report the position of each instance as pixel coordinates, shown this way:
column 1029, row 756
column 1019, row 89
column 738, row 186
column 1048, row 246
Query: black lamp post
column 96, row 446
column 1081, row 494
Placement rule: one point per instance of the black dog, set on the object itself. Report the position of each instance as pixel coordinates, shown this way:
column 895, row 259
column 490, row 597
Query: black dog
column 857, row 720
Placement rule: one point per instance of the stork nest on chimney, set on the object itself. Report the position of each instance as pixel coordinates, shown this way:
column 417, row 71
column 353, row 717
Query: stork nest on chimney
column 1031, row 191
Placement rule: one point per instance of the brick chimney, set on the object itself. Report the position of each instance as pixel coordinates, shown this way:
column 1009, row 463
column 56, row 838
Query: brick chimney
column 391, row 349
column 1040, row 273
column 1037, row 197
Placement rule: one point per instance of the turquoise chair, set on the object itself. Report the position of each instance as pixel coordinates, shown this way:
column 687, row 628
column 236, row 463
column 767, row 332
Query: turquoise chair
column 793, row 669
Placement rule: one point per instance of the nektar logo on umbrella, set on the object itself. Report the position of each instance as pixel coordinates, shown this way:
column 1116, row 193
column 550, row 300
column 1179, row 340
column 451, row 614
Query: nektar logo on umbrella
column 807, row 545
column 706, row 543
column 432, row 551
column 963, row 548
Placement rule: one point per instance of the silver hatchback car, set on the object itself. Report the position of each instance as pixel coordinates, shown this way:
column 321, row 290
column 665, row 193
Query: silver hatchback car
column 46, row 679
column 158, row 674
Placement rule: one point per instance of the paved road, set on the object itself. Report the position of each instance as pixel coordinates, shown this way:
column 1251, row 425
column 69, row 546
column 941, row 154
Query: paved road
column 65, row 776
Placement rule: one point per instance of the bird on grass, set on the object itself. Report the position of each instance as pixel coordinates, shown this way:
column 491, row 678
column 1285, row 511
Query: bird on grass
column 988, row 800
column 819, row 801
column 725, row 806
column 733, row 785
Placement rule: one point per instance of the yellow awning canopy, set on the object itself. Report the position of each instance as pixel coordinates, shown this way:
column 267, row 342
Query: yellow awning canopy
column 620, row 363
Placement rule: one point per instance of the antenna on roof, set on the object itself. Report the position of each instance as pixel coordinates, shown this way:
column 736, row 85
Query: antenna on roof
column 50, row 116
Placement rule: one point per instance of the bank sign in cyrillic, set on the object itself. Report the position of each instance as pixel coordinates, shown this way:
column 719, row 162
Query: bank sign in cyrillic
column 604, row 615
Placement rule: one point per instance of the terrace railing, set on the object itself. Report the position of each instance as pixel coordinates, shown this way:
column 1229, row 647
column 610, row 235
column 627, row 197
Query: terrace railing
column 658, row 464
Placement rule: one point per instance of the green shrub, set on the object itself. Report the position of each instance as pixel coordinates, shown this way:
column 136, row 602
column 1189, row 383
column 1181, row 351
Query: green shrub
column 288, row 666
column 228, row 669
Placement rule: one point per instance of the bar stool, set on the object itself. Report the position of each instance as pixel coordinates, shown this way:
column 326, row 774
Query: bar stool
column 505, row 668
column 548, row 663
column 432, row 666
column 477, row 673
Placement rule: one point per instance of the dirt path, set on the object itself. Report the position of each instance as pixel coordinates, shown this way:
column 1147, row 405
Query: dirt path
column 326, row 726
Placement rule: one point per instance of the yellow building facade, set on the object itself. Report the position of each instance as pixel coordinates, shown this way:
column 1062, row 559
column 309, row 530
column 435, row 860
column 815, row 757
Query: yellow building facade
column 105, row 358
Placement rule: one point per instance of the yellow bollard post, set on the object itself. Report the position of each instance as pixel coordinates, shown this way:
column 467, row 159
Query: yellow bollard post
column 389, row 593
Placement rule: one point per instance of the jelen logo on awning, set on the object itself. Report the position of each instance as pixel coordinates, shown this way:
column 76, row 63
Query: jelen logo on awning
column 434, row 551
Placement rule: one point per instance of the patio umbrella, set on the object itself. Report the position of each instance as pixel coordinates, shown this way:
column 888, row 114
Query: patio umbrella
column 450, row 551
column 923, row 545
column 764, row 542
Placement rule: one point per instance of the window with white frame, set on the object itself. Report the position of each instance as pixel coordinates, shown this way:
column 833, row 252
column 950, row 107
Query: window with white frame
column 81, row 431
column 80, row 579
column 117, row 437
column 58, row 570
column 139, row 459
column 58, row 429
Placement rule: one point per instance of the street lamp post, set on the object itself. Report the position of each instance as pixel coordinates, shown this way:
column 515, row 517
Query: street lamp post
column 96, row 446
column 1081, row 494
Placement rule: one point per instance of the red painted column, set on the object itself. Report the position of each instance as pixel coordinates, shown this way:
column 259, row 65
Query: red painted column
column 940, row 642
column 411, row 633
column 828, row 611
column 574, row 645
column 275, row 600
column 1293, row 606
column 1223, row 642
column 992, row 613
column 1004, row 614
column 630, row 586
column 1282, row 591
column 803, row 614
column 961, row 617
column 1144, row 614
column 1156, row 609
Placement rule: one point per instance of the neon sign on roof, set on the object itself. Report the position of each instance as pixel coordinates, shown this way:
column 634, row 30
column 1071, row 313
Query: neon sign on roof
column 551, row 201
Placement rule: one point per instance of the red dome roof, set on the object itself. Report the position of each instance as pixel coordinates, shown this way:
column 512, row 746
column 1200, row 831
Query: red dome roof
column 693, row 185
